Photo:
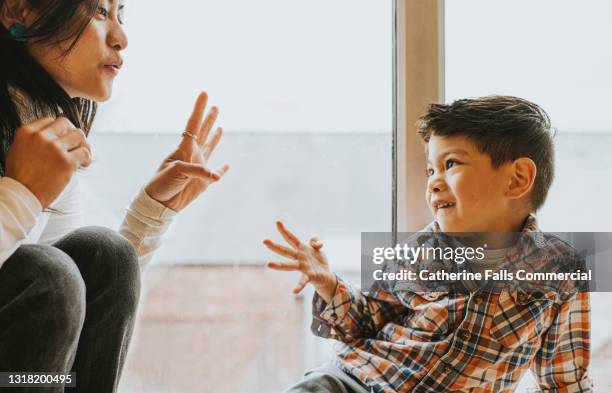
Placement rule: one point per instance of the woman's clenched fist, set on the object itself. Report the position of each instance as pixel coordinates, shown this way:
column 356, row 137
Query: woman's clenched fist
column 44, row 155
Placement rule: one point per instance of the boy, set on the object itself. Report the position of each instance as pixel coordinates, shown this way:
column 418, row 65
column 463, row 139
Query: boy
column 490, row 165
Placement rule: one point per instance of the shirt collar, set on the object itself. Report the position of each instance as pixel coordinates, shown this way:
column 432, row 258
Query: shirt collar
column 531, row 229
column 529, row 225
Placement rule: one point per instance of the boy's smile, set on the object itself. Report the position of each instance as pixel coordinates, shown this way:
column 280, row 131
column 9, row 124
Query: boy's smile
column 464, row 192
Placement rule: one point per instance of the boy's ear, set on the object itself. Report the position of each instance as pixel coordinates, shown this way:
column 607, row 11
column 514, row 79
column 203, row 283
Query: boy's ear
column 522, row 177
column 15, row 11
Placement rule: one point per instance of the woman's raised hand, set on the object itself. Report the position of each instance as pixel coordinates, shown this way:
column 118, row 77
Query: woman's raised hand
column 44, row 155
column 183, row 175
column 307, row 259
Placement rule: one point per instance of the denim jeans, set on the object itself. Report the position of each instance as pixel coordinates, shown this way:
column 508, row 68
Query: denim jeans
column 70, row 307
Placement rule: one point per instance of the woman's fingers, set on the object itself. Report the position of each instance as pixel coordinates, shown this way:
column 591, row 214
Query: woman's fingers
column 316, row 244
column 222, row 170
column 81, row 156
column 39, row 124
column 188, row 169
column 73, row 139
column 70, row 139
column 281, row 250
column 287, row 235
column 301, row 284
column 195, row 120
column 210, row 146
column 284, row 266
column 207, row 125
column 57, row 128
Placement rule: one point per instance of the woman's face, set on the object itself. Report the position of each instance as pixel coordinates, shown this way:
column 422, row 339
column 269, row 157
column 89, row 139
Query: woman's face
column 89, row 69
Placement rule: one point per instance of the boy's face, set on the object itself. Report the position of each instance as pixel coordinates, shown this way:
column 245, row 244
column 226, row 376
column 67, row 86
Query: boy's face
column 464, row 192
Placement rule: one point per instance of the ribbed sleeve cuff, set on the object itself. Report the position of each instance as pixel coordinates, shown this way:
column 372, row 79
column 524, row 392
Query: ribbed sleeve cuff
column 149, row 208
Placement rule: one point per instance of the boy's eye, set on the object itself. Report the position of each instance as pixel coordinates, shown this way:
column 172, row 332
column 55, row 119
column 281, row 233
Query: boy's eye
column 450, row 164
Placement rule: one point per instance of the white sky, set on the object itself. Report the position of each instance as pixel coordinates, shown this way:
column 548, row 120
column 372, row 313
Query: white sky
column 325, row 65
column 555, row 52
column 270, row 65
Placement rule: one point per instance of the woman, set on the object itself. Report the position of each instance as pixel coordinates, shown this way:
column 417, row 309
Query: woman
column 68, row 295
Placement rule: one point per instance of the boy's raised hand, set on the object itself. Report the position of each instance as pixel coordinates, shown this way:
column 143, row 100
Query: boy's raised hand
column 307, row 259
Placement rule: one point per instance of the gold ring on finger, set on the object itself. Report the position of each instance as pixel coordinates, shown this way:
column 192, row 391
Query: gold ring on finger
column 190, row 135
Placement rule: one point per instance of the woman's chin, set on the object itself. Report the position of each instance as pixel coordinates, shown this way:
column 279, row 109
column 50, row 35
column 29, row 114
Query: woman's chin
column 102, row 98
column 101, row 94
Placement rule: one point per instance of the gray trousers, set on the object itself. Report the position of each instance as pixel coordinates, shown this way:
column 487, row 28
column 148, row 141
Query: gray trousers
column 70, row 307
column 327, row 378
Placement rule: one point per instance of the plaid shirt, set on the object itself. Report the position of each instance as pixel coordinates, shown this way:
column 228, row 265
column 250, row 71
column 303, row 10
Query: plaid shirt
column 459, row 342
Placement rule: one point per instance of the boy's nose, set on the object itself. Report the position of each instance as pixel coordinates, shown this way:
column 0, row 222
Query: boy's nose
column 435, row 185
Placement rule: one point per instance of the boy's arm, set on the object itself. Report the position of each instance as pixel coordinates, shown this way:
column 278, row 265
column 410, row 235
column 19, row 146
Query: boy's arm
column 562, row 362
column 352, row 314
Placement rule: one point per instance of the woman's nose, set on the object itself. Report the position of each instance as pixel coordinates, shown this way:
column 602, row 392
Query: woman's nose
column 117, row 38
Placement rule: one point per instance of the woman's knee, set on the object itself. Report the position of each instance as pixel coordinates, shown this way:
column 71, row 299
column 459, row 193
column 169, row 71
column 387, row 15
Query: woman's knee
column 51, row 289
column 109, row 259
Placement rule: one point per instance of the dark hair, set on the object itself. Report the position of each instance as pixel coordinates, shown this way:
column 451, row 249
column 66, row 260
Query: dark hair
column 503, row 127
column 60, row 21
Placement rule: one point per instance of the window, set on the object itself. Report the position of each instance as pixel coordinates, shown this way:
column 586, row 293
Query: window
column 305, row 97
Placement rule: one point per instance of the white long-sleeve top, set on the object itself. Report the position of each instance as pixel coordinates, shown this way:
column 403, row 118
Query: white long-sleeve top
column 22, row 220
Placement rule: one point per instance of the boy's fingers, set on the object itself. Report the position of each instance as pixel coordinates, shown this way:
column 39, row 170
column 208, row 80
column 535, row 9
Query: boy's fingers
column 287, row 235
column 301, row 284
column 284, row 266
column 277, row 248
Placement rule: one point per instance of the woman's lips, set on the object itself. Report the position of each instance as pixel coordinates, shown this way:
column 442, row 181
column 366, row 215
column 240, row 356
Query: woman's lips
column 112, row 69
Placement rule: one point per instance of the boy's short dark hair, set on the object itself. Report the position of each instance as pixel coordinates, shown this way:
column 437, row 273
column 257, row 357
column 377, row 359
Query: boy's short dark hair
column 504, row 127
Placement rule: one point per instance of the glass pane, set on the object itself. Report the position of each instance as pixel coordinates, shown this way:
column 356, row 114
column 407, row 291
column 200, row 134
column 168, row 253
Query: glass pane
column 305, row 97
column 556, row 54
